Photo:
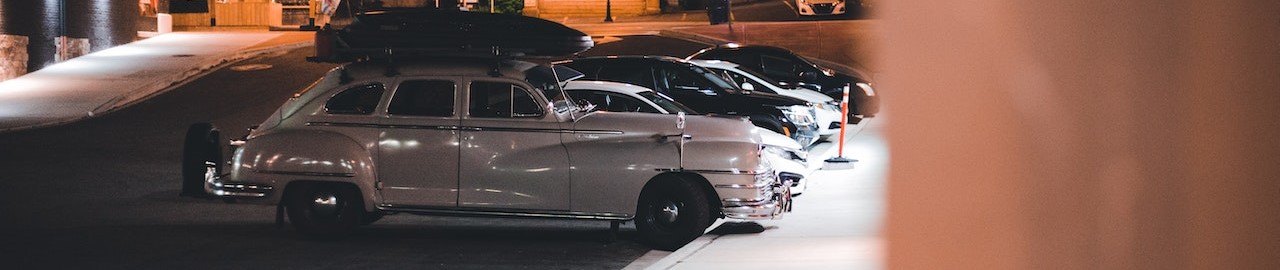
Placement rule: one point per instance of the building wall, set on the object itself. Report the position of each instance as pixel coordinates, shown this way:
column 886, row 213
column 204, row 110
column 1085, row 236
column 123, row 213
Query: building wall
column 1095, row 134
column 62, row 29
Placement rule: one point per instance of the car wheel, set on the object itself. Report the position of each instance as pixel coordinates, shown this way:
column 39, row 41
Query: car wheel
column 320, row 210
column 201, row 146
column 672, row 213
column 371, row 217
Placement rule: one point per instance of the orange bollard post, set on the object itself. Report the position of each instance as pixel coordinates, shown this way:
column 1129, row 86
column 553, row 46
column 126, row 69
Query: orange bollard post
column 839, row 162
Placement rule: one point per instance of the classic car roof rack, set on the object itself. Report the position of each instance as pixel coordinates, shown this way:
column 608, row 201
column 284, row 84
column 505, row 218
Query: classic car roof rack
column 387, row 34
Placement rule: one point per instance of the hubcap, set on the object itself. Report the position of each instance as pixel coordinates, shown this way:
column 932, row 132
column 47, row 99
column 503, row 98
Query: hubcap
column 325, row 205
column 669, row 212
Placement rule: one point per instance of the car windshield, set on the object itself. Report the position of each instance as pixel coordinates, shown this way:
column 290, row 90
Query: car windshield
column 666, row 102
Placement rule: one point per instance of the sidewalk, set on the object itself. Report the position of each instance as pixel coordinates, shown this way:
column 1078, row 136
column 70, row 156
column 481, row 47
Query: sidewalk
column 103, row 81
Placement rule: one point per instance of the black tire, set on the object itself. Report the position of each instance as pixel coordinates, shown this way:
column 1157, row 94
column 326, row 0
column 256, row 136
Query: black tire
column 325, row 209
column 202, row 144
column 371, row 217
column 669, row 230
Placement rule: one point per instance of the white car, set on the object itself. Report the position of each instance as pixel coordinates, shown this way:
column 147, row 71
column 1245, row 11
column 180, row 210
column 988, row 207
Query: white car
column 820, row 7
column 788, row 158
column 826, row 114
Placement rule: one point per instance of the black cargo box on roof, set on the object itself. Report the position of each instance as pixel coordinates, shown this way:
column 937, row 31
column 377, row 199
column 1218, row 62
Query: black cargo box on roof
column 431, row 31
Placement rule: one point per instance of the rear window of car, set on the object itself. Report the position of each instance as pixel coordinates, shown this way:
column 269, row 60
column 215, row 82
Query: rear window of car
column 362, row 99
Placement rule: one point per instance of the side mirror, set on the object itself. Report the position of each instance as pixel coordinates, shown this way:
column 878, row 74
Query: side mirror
column 809, row 76
column 748, row 87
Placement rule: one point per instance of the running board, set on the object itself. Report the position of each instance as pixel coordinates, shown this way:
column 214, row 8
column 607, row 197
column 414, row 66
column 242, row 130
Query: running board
column 481, row 212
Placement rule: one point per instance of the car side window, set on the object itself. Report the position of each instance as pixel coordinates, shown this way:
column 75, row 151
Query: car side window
column 627, row 73
column 502, row 100
column 597, row 98
column 680, row 80
column 362, row 99
column 423, row 98
column 623, row 103
column 777, row 66
column 740, row 80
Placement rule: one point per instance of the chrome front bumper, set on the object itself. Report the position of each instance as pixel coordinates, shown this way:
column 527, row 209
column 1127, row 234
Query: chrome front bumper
column 777, row 204
column 215, row 186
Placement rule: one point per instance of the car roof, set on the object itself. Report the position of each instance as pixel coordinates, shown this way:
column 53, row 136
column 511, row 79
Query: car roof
column 635, row 57
column 721, row 64
column 606, row 86
column 454, row 66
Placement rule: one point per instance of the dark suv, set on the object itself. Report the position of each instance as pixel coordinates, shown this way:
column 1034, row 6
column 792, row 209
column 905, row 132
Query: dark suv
column 792, row 70
column 704, row 91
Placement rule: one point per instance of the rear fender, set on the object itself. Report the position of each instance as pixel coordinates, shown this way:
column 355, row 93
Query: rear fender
column 279, row 158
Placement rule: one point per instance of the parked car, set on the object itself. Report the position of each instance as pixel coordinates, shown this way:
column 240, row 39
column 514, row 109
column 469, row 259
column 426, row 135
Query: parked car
column 792, row 70
column 827, row 113
column 820, row 7
column 623, row 97
column 788, row 158
column 422, row 130
column 704, row 91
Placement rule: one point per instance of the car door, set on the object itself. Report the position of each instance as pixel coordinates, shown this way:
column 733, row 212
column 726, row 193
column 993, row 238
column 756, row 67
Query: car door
column 418, row 145
column 511, row 151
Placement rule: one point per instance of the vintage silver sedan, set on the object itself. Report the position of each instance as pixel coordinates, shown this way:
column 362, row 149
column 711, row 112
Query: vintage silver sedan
column 484, row 137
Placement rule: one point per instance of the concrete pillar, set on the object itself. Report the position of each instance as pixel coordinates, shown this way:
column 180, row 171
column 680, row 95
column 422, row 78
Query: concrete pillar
column 62, row 29
column 13, row 56
column 37, row 20
column 1095, row 134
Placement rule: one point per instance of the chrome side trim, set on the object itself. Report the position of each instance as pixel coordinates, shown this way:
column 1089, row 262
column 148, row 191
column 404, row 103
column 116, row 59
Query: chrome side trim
column 732, row 172
column 466, row 128
column 478, row 212
column 337, row 124
column 309, row 173
column 737, row 186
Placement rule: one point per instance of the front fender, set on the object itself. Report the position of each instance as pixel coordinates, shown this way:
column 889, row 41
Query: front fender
column 278, row 158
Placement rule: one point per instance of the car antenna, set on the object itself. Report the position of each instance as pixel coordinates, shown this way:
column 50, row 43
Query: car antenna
column 497, row 62
column 343, row 76
column 392, row 70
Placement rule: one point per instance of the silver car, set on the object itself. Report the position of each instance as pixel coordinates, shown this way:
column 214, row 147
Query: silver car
column 484, row 137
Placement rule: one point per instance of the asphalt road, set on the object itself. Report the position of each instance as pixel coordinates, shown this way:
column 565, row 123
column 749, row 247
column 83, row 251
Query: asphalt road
column 102, row 194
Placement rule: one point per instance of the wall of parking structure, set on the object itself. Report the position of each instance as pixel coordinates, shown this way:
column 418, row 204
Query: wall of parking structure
column 62, row 29
column 1137, row 134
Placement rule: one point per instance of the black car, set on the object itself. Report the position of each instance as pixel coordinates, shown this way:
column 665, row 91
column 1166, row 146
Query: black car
column 792, row 70
column 704, row 91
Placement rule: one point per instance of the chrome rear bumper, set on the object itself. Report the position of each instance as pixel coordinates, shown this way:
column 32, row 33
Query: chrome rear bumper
column 215, row 186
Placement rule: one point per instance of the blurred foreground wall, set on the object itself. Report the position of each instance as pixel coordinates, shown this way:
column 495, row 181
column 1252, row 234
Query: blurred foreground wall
column 1093, row 134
